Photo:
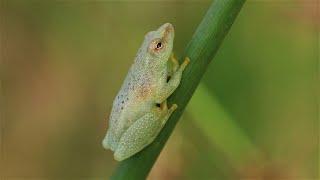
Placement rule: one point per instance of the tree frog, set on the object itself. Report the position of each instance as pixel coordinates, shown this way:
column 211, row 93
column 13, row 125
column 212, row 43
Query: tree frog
column 140, row 110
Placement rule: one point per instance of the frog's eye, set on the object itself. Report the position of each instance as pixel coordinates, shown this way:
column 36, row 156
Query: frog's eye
column 156, row 45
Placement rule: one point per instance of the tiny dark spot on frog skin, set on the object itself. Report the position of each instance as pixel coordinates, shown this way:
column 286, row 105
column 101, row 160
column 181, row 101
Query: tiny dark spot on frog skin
column 127, row 99
column 121, row 108
column 158, row 105
column 122, row 102
column 168, row 78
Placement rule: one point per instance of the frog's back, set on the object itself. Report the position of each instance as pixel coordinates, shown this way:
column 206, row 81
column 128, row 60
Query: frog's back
column 134, row 94
column 133, row 100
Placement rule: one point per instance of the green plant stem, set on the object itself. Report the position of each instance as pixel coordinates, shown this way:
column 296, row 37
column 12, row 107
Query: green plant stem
column 201, row 50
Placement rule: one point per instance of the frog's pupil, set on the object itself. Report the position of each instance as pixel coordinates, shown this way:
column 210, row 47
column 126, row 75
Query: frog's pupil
column 159, row 45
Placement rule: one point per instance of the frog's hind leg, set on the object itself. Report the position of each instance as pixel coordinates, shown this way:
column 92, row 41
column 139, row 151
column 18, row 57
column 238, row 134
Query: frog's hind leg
column 137, row 136
column 142, row 132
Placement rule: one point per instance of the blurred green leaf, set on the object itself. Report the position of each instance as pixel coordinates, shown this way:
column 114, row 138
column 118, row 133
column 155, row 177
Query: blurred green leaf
column 219, row 127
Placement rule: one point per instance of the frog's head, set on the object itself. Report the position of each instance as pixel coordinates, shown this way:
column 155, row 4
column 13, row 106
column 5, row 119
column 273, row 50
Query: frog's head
column 159, row 44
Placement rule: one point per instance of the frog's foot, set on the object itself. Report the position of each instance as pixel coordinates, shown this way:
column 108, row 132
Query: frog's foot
column 168, row 113
column 164, row 107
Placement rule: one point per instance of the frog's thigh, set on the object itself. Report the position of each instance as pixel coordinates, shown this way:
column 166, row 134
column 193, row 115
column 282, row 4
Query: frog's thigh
column 142, row 133
column 138, row 135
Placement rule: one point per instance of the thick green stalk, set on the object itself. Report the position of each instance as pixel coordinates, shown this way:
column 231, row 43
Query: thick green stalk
column 201, row 50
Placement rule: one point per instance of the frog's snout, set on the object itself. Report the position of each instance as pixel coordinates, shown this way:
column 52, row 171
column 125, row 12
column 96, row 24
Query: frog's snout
column 166, row 29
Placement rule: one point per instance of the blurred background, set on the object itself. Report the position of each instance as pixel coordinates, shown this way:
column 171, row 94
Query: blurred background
column 254, row 115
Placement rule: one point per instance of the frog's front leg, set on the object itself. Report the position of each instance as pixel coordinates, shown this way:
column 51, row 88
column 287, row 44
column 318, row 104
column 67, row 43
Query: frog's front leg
column 173, row 82
column 174, row 62
column 143, row 131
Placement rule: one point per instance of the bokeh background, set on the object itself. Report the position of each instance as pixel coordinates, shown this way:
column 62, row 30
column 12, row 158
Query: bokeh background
column 255, row 113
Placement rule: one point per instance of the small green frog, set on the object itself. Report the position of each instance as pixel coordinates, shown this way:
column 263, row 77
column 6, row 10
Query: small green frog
column 140, row 110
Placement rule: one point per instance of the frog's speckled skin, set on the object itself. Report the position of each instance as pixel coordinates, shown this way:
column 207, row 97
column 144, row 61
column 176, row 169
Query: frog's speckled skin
column 135, row 118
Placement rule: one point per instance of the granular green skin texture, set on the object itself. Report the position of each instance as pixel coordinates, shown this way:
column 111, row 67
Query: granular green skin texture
column 139, row 110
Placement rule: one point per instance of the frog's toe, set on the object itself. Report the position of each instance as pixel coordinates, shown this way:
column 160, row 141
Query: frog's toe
column 185, row 62
column 173, row 107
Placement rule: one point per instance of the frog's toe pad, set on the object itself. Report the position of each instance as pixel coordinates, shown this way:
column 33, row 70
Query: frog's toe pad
column 186, row 61
column 174, row 107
